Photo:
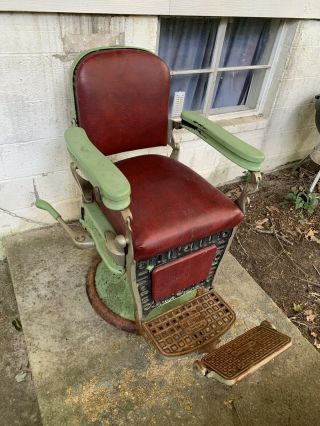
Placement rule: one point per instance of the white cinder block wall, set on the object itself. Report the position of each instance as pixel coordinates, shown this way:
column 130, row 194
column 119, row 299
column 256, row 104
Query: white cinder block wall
column 36, row 52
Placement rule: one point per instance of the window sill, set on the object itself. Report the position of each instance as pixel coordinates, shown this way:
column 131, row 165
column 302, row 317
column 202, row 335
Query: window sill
column 233, row 125
column 241, row 124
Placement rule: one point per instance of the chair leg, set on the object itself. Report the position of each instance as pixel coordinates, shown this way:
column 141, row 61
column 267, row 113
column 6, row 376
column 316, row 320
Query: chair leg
column 131, row 269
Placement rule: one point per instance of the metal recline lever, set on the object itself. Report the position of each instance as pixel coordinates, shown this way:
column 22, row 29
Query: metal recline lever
column 80, row 240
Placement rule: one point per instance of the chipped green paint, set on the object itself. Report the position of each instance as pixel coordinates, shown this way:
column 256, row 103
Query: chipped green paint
column 95, row 222
column 114, row 290
column 111, row 281
column 150, row 268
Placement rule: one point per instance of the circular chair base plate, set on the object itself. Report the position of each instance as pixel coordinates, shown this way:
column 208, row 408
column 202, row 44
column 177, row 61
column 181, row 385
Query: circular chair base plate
column 110, row 296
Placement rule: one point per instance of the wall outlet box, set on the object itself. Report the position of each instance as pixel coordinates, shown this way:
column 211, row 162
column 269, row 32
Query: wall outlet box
column 178, row 101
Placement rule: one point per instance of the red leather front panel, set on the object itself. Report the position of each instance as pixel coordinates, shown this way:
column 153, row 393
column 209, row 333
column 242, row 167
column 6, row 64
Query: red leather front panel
column 171, row 205
column 122, row 99
column 182, row 273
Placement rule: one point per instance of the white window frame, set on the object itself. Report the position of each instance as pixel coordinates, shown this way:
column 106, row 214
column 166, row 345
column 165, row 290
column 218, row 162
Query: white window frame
column 214, row 69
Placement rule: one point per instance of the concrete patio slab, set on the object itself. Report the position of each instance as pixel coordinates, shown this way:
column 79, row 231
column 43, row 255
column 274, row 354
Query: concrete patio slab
column 18, row 401
column 86, row 372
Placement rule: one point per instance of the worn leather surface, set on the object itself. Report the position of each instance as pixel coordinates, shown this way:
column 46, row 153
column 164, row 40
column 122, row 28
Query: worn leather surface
column 171, row 205
column 182, row 273
column 122, row 99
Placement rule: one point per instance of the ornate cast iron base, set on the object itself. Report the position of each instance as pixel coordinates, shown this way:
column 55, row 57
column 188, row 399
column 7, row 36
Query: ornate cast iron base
column 110, row 296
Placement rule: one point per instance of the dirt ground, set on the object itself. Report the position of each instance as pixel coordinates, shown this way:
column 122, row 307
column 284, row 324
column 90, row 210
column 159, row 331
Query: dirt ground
column 280, row 247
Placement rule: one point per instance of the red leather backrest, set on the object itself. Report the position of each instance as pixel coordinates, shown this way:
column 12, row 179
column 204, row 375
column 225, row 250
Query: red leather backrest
column 122, row 99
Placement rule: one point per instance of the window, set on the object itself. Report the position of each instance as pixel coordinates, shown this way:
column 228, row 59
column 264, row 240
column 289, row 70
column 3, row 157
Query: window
column 217, row 65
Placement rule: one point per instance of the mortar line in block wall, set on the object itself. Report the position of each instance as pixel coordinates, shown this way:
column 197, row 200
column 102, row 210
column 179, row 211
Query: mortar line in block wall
column 294, row 106
column 49, row 54
column 54, row 203
column 16, row 144
column 37, row 101
column 37, row 175
column 314, row 77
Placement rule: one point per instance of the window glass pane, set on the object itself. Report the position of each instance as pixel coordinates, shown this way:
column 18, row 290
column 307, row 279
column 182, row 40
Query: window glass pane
column 187, row 43
column 237, row 88
column 194, row 86
column 247, row 42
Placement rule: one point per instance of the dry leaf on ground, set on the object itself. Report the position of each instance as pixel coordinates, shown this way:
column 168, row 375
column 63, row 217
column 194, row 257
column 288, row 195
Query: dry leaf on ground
column 273, row 209
column 310, row 315
column 260, row 223
column 233, row 193
column 310, row 236
column 316, row 342
column 21, row 376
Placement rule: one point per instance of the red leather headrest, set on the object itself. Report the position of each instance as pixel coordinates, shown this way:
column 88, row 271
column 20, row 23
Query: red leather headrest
column 122, row 99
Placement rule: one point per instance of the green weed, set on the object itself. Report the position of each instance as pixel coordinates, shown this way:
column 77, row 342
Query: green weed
column 302, row 199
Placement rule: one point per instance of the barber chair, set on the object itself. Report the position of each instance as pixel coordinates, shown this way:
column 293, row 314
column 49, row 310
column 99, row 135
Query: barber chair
column 160, row 229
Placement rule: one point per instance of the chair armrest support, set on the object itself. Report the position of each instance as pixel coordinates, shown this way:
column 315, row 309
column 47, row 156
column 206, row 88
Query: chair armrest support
column 175, row 124
column 98, row 169
column 233, row 148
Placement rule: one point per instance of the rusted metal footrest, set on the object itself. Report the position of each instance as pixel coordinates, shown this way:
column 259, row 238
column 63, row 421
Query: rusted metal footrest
column 190, row 326
column 245, row 354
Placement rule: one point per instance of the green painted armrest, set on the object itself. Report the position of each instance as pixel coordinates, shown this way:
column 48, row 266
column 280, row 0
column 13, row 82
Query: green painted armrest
column 230, row 146
column 98, row 169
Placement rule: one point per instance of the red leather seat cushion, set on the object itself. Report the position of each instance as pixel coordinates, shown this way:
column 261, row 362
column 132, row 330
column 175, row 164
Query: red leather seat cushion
column 171, row 205
column 122, row 99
